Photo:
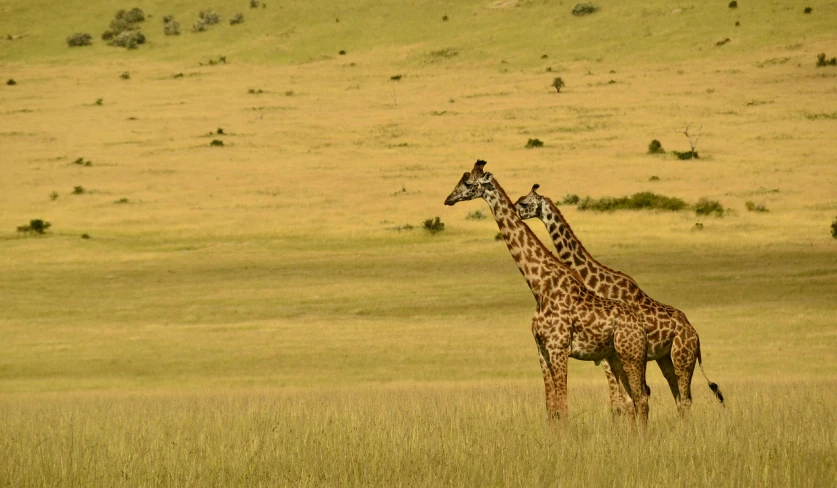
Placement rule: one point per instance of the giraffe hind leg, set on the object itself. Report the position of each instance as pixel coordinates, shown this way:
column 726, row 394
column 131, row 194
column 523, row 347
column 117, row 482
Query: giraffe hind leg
column 617, row 400
column 684, row 357
column 667, row 367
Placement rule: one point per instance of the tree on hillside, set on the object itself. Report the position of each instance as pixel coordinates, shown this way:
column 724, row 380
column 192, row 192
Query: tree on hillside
column 558, row 83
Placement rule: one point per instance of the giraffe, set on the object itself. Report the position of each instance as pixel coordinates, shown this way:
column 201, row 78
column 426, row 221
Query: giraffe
column 672, row 341
column 570, row 320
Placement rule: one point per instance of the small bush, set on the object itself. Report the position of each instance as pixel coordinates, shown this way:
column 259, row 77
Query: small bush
column 557, row 83
column 11, row 82
column 53, row 196
column 656, row 147
column 121, row 201
column 171, row 27
column 834, row 228
column 822, row 61
column 498, row 236
column 254, row 91
column 129, row 39
column 395, row 77
column 698, row 226
column 686, row 155
column 80, row 39
column 99, row 101
column 216, row 142
column 82, row 162
column 583, row 9
column 570, row 199
column 475, row 215
column 342, row 52
column 36, row 226
column 434, row 225
column 254, row 4
column 237, row 19
column 220, row 131
column 755, row 207
column 705, row 206
column 125, row 75
column 807, row 10
column 638, row 201
column 85, row 236
column 532, row 143
column 654, row 178
column 78, row 190
column 733, row 4
column 723, row 41
column 445, row 18
column 134, row 15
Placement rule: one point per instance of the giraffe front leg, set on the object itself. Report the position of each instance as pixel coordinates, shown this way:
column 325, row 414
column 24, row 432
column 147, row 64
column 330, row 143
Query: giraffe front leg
column 555, row 340
column 617, row 400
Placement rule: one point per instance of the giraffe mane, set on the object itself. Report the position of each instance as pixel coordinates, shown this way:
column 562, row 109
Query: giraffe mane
column 549, row 255
column 580, row 245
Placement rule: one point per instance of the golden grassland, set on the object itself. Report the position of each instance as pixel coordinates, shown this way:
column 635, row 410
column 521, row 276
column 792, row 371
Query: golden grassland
column 257, row 313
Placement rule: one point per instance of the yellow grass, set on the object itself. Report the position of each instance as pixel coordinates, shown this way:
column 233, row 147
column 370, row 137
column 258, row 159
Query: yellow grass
column 257, row 314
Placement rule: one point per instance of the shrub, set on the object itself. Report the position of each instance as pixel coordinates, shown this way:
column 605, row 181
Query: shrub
column 171, row 27
column 434, row 225
column 822, row 61
column 220, row 131
column 125, row 75
column 11, row 82
column 216, row 142
column 834, row 228
column 498, row 236
column 129, row 39
column 78, row 190
column 85, row 236
column 237, row 19
column 532, row 143
column 654, row 178
column 121, row 201
column 395, row 77
column 99, row 101
column 80, row 39
column 445, row 18
column 209, row 17
column 705, row 206
column 755, row 207
column 807, row 10
column 557, row 83
column 254, row 3
column 53, row 196
column 36, row 226
column 583, row 9
column 638, row 201
column 475, row 215
column 342, row 52
column 134, row 15
column 686, row 155
column 733, row 4
column 698, row 226
column 655, row 147
column 570, row 199
column 82, row 162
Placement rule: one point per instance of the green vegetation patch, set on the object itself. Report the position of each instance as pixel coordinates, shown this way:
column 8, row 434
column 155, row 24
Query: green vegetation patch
column 638, row 201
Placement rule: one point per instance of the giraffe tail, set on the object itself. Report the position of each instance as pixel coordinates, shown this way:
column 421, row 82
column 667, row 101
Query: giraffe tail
column 712, row 386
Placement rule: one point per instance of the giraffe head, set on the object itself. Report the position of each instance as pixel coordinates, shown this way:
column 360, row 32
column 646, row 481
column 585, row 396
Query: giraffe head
column 472, row 185
column 530, row 206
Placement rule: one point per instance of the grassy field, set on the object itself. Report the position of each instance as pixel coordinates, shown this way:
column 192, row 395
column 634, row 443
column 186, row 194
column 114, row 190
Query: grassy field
column 259, row 313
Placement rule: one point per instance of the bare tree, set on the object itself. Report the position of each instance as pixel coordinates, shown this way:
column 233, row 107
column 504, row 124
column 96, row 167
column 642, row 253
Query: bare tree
column 693, row 140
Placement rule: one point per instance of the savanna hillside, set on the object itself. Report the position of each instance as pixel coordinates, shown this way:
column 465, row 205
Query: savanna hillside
column 271, row 311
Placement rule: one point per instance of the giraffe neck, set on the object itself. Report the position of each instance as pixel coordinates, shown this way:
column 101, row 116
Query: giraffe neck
column 533, row 260
column 604, row 281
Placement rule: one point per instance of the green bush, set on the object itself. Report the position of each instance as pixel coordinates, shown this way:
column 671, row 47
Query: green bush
column 807, row 10
column 638, row 201
column 171, row 27
column 532, row 143
column 583, row 9
column 570, row 199
column 79, row 39
column 656, row 147
column 686, row 155
column 557, row 83
column 128, row 39
column 216, row 142
column 834, row 228
column 78, row 190
column 755, row 207
column 822, row 61
column 11, row 82
column 82, row 162
column 733, row 4
column 237, row 19
column 704, row 206
column 53, row 195
column 475, row 215
column 654, row 178
column 36, row 226
column 434, row 225
column 125, row 75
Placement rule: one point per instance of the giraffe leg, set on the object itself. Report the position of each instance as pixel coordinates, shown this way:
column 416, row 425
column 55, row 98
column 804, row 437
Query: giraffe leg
column 617, row 400
column 631, row 346
column 683, row 357
column 627, row 404
column 667, row 367
column 548, row 381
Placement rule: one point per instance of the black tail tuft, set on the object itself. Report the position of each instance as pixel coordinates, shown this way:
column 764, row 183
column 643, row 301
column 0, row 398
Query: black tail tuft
column 647, row 389
column 717, row 392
